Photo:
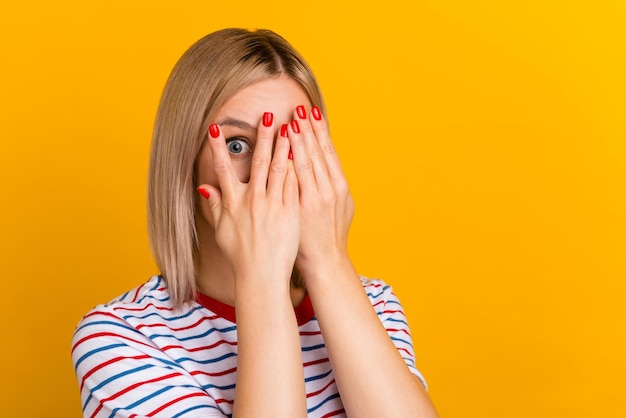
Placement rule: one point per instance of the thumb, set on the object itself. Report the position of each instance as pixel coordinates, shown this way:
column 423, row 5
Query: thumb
column 214, row 198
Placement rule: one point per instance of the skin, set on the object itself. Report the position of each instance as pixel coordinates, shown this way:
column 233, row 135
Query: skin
column 304, row 208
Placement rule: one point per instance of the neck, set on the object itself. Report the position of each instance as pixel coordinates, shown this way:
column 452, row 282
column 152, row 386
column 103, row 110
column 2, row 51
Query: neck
column 214, row 276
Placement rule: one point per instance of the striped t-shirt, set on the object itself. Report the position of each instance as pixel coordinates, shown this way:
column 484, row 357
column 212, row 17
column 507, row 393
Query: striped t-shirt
column 138, row 357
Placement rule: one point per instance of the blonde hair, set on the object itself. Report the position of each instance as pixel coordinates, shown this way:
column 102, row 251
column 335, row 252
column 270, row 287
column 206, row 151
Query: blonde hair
column 209, row 73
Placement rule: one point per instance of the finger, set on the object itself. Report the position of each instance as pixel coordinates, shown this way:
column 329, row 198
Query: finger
column 315, row 151
column 214, row 198
column 320, row 128
column 302, row 160
column 279, row 165
column 291, row 194
column 224, row 170
column 262, row 153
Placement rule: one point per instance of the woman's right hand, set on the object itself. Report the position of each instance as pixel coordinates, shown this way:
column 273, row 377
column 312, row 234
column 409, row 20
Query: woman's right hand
column 256, row 223
column 257, row 227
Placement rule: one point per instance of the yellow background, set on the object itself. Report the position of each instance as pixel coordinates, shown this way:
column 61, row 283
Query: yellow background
column 485, row 145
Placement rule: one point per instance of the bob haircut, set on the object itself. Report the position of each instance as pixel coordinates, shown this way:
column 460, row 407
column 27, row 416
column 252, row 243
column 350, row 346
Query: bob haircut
column 208, row 74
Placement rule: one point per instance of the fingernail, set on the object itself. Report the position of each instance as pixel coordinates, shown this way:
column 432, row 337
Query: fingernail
column 283, row 130
column 214, row 130
column 301, row 112
column 317, row 115
column 205, row 193
column 267, row 119
column 295, row 127
column 290, row 155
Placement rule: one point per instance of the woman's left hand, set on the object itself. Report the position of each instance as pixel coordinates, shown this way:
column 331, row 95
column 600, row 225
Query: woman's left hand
column 326, row 206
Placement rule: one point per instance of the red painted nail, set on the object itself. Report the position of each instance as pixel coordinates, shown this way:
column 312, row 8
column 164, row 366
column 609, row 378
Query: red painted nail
column 295, row 127
column 317, row 115
column 268, row 118
column 203, row 192
column 214, row 130
column 301, row 112
column 283, row 130
column 290, row 155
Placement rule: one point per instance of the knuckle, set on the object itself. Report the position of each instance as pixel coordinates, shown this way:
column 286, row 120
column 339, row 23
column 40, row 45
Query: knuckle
column 328, row 147
column 307, row 164
column 316, row 152
column 255, row 202
column 278, row 168
column 259, row 161
column 305, row 127
column 291, row 181
column 328, row 197
column 342, row 188
column 220, row 167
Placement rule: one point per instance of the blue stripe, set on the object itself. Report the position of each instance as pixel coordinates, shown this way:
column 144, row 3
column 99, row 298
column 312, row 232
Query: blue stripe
column 314, row 347
column 94, row 351
column 401, row 340
column 393, row 302
column 168, row 363
column 318, row 377
column 117, row 324
column 158, row 283
column 144, row 399
column 318, row 406
column 119, row 299
column 147, row 398
column 409, row 361
column 149, row 296
column 397, row 320
column 194, row 337
column 122, row 374
column 173, row 318
column 227, row 387
column 111, row 379
column 215, row 360
column 372, row 296
column 122, row 299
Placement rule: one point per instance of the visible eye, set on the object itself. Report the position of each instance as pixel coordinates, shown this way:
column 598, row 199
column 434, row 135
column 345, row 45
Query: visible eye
column 238, row 146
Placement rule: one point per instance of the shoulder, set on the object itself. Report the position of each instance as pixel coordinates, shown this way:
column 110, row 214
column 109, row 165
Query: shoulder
column 151, row 295
column 138, row 352
column 154, row 291
column 112, row 322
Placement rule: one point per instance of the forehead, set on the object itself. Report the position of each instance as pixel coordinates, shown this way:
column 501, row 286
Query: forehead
column 277, row 95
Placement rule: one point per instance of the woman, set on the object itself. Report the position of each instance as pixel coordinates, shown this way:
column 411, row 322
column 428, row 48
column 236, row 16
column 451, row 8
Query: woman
column 244, row 184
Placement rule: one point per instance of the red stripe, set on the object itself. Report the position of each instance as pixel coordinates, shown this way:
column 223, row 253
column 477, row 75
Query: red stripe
column 162, row 308
column 398, row 330
column 214, row 374
column 380, row 302
column 335, row 413
column 307, row 333
column 137, row 292
column 198, row 322
column 406, row 351
column 206, row 347
column 106, row 363
column 311, row 363
column 317, row 392
column 394, row 311
column 107, row 334
column 173, row 401
column 94, row 313
column 131, row 387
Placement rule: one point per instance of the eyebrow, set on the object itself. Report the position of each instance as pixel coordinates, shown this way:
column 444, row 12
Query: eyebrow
column 238, row 124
